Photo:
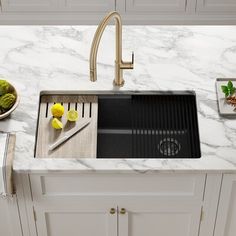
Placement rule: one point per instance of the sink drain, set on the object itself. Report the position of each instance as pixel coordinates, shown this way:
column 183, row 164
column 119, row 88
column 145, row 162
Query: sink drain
column 169, row 147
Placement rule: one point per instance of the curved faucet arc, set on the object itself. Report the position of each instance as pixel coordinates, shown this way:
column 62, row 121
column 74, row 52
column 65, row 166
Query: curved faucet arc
column 120, row 65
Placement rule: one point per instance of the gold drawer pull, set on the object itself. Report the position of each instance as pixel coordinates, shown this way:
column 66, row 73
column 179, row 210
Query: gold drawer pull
column 112, row 211
column 122, row 211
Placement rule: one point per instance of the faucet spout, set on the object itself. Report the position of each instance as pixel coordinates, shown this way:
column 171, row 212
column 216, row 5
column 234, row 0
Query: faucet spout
column 119, row 64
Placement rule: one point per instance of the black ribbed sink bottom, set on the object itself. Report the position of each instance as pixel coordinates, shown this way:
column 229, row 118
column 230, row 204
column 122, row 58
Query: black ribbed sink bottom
column 148, row 125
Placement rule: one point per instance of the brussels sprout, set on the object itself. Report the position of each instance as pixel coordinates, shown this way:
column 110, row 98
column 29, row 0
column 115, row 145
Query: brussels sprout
column 7, row 100
column 4, row 87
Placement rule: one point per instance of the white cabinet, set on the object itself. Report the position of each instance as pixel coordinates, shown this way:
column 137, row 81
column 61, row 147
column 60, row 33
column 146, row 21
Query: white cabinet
column 81, row 204
column 140, row 12
column 216, row 6
column 226, row 217
column 9, row 217
column 57, row 5
column 84, row 217
column 121, row 205
column 29, row 5
column 209, row 7
column 155, row 6
column 152, row 217
column 95, row 6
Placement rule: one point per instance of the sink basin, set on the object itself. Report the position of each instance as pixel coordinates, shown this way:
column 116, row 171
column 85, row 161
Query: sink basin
column 123, row 124
column 148, row 125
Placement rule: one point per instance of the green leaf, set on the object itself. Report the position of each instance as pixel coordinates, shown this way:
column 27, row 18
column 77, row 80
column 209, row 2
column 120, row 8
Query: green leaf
column 230, row 85
column 225, row 90
column 232, row 91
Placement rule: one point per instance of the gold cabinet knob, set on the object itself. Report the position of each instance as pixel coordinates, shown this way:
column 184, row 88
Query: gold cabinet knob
column 112, row 211
column 122, row 211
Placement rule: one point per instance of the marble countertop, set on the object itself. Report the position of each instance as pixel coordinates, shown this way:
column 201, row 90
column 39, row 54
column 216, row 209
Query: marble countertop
column 36, row 58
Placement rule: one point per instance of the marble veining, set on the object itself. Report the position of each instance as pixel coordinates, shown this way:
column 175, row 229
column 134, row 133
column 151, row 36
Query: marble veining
column 36, row 58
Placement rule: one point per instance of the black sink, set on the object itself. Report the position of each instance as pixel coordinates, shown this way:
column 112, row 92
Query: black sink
column 148, row 125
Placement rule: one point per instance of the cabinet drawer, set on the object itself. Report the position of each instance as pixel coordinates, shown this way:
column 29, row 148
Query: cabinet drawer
column 216, row 6
column 184, row 186
column 143, row 6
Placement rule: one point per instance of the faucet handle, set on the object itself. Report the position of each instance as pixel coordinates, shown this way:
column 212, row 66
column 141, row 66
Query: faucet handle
column 128, row 65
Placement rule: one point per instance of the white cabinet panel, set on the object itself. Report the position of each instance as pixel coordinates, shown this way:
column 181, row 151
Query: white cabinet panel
column 58, row 5
column 9, row 217
column 5, row 229
column 210, row 204
column 226, row 217
column 89, row 5
column 142, row 6
column 74, row 223
column 216, row 6
column 174, row 186
column 154, row 218
column 29, row 5
column 60, row 216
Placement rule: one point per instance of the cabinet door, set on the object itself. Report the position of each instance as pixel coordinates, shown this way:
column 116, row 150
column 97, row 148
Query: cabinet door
column 171, row 206
column 226, row 217
column 72, row 205
column 83, row 216
column 150, row 217
column 88, row 5
column 216, row 6
column 143, row 6
column 29, row 5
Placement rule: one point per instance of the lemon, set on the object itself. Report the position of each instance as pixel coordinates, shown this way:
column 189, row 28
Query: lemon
column 56, row 124
column 72, row 115
column 57, row 110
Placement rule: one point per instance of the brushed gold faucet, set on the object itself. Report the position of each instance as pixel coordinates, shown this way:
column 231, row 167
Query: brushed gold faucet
column 120, row 65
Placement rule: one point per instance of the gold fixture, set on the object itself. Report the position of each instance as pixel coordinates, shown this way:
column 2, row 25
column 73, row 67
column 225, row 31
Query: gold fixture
column 112, row 211
column 120, row 65
column 122, row 211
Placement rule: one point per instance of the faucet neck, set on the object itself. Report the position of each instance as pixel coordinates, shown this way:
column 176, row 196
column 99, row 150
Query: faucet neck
column 96, row 41
column 119, row 64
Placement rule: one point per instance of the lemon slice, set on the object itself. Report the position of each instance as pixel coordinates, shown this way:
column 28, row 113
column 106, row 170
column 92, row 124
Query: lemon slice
column 56, row 124
column 72, row 115
column 57, row 110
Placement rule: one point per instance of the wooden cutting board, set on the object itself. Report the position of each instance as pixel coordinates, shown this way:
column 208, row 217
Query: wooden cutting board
column 81, row 145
